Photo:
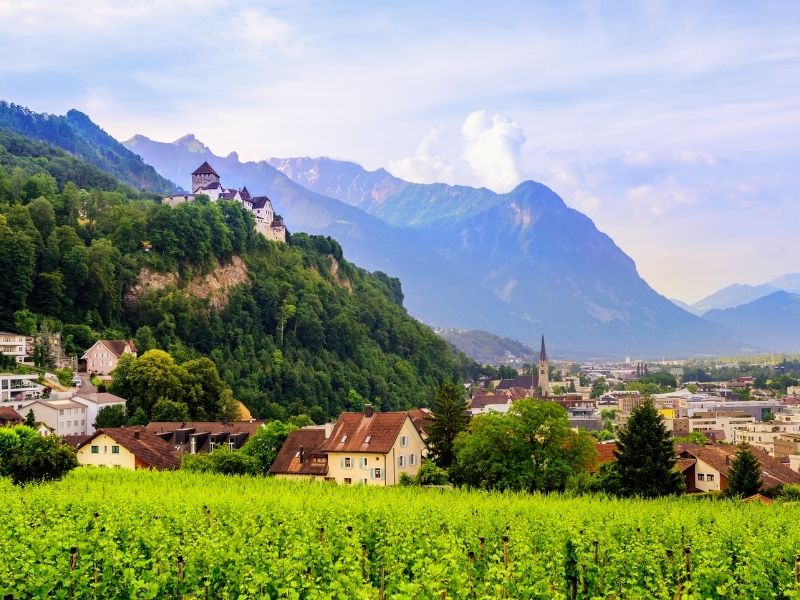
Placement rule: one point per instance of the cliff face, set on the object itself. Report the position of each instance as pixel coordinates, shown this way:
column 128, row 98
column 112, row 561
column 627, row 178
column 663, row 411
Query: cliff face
column 214, row 287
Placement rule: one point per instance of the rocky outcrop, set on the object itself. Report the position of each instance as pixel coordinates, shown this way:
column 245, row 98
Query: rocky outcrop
column 214, row 287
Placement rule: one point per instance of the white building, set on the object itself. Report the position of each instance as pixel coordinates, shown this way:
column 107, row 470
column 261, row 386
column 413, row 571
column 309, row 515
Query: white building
column 726, row 422
column 762, row 435
column 64, row 417
column 14, row 344
column 17, row 388
column 94, row 403
column 206, row 181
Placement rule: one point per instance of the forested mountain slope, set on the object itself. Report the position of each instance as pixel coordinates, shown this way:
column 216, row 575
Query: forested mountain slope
column 301, row 331
column 79, row 136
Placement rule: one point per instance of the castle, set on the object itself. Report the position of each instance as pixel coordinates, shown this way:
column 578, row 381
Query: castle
column 205, row 181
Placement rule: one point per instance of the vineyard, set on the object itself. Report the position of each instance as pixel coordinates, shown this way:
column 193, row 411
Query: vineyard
column 116, row 534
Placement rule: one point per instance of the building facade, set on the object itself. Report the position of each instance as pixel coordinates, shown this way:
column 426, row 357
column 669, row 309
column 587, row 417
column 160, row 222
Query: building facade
column 103, row 356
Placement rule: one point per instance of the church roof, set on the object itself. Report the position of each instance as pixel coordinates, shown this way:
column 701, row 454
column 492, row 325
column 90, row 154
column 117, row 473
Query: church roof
column 542, row 352
column 205, row 169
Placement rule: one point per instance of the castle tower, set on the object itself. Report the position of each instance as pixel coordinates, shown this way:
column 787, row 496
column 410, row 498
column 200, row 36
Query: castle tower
column 203, row 175
column 544, row 375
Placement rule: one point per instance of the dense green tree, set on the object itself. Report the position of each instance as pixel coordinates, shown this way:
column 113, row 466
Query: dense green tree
column 599, row 387
column 30, row 419
column 646, row 455
column 38, row 458
column 264, row 445
column 17, row 265
column 450, row 417
column 744, row 474
column 111, row 416
column 530, row 448
column 168, row 410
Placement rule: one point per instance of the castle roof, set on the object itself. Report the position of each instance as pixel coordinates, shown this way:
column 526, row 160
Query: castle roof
column 205, row 169
column 260, row 201
column 245, row 193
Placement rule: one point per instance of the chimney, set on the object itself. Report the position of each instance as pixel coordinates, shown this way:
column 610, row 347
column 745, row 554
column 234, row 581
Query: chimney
column 136, row 434
column 302, row 455
column 368, row 412
column 727, row 459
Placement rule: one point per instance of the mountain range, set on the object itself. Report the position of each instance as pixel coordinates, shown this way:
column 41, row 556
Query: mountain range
column 515, row 264
column 738, row 294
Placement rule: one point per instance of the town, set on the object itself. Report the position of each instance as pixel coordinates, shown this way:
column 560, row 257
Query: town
column 708, row 420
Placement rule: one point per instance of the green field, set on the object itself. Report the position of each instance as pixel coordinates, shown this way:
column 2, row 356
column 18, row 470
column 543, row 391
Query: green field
column 117, row 534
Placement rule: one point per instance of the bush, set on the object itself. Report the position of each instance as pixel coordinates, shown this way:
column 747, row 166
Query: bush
column 64, row 377
column 39, row 459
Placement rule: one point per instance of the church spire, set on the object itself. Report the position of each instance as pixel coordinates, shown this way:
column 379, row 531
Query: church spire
column 544, row 371
column 542, row 352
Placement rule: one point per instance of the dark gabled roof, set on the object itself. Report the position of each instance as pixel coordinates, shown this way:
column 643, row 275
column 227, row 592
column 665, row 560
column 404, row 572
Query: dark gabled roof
column 382, row 430
column 228, row 194
column 204, row 433
column 525, row 382
column 301, row 454
column 8, row 414
column 205, row 169
column 210, row 186
column 148, row 448
column 260, row 201
column 245, row 193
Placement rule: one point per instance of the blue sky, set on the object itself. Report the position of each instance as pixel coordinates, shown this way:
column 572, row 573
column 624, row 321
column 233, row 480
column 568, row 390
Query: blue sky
column 674, row 125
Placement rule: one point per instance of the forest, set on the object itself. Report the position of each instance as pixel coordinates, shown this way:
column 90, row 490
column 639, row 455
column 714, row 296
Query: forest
column 308, row 333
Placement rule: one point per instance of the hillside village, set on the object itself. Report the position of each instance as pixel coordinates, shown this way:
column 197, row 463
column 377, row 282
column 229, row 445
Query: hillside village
column 708, row 421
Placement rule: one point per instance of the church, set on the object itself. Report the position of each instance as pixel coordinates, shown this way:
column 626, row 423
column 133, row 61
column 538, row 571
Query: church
column 206, row 181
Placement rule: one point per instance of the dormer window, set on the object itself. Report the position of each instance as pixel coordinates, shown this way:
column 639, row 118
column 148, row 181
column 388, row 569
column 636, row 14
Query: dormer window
column 367, row 439
column 344, row 438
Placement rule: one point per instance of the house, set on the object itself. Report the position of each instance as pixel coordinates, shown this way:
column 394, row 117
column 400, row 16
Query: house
column 14, row 344
column 715, row 421
column 301, row 455
column 197, row 437
column 705, row 468
column 206, row 181
column 63, row 417
column 16, row 388
column 763, row 434
column 127, row 448
column 373, row 448
column 8, row 416
column 103, row 356
column 94, row 403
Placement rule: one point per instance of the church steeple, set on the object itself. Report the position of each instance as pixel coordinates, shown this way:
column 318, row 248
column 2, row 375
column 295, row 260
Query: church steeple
column 544, row 373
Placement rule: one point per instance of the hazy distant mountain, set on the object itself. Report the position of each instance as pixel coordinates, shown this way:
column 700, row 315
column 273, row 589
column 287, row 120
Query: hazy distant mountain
column 515, row 264
column 683, row 305
column 79, row 136
column 486, row 348
column 770, row 323
column 739, row 294
column 732, row 295
column 789, row 282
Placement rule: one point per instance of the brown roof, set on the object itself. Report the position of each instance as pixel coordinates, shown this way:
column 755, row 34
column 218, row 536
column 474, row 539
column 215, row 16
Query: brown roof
column 685, row 463
column 484, row 399
column 76, row 441
column 118, row 346
column 205, row 169
column 301, row 453
column 605, row 452
column 525, row 382
column 9, row 415
column 147, row 446
column 773, row 471
column 356, row 432
column 422, row 420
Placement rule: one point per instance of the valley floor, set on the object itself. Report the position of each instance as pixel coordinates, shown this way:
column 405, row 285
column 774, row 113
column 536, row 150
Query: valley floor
column 119, row 534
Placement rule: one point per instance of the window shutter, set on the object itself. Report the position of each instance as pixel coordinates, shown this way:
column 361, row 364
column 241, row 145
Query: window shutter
column 341, row 462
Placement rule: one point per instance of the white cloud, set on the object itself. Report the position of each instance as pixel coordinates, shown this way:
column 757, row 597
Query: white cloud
column 657, row 201
column 492, row 149
column 427, row 165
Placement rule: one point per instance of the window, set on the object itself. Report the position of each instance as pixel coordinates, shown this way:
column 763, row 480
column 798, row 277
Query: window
column 404, row 441
column 344, row 438
column 367, row 439
column 401, row 461
column 412, row 459
column 710, row 477
column 348, row 462
column 211, row 447
column 348, row 480
column 95, row 449
column 114, row 449
column 364, row 481
column 61, row 413
column 377, row 473
column 362, row 462
column 231, row 444
column 700, row 477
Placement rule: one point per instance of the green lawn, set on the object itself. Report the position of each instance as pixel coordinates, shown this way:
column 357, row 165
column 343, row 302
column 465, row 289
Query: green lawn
column 117, row 534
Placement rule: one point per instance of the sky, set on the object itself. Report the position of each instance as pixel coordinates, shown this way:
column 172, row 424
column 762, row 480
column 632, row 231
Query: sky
column 675, row 126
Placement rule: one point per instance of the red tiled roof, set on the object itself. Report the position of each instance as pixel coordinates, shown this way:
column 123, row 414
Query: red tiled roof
column 422, row 419
column 9, row 415
column 484, row 399
column 301, row 454
column 76, row 440
column 352, row 430
column 205, row 169
column 605, row 452
column 117, row 347
column 147, row 447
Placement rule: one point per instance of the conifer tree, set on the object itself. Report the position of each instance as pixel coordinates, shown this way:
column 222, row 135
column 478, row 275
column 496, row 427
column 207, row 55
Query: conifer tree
column 744, row 474
column 30, row 419
column 646, row 455
column 450, row 417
